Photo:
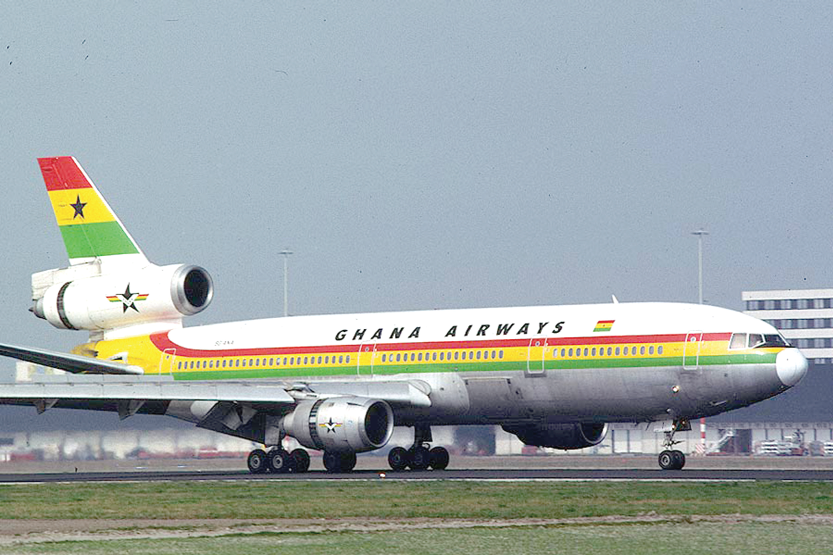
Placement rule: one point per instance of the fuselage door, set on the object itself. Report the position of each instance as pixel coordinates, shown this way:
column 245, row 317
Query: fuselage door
column 365, row 359
column 691, row 351
column 166, row 362
column 535, row 356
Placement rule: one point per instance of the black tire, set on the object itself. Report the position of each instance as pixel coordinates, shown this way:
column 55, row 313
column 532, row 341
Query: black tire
column 301, row 459
column 398, row 459
column 438, row 458
column 332, row 461
column 348, row 461
column 257, row 462
column 679, row 459
column 278, row 461
column 666, row 460
column 420, row 458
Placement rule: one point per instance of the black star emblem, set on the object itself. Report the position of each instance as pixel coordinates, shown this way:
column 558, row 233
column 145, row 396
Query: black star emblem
column 79, row 207
column 127, row 299
column 331, row 426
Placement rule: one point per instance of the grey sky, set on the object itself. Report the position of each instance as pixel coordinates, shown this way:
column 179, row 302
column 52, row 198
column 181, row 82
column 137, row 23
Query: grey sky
column 419, row 155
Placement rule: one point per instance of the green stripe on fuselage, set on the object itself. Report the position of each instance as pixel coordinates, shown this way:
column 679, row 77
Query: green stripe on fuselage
column 462, row 367
column 97, row 239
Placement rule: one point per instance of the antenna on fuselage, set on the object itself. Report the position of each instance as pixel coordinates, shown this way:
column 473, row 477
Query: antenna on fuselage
column 615, row 300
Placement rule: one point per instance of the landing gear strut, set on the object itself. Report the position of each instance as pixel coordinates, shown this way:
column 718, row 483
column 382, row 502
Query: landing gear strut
column 420, row 456
column 278, row 461
column 673, row 459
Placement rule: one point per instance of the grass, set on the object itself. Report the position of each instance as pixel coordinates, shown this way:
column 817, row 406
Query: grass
column 393, row 499
column 761, row 539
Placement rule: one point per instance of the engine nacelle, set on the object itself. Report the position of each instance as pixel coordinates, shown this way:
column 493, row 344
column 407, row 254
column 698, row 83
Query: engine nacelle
column 341, row 424
column 103, row 302
column 560, row 436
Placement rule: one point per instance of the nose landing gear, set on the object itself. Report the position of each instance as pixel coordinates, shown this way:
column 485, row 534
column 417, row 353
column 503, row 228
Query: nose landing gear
column 420, row 456
column 673, row 459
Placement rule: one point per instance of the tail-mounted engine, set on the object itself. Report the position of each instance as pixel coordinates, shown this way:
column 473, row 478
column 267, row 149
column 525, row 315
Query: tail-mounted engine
column 70, row 300
column 560, row 436
column 341, row 424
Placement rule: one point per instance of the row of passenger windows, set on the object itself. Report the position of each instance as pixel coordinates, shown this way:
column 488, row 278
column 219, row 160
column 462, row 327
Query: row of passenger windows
column 611, row 351
column 262, row 362
column 789, row 304
column 443, row 356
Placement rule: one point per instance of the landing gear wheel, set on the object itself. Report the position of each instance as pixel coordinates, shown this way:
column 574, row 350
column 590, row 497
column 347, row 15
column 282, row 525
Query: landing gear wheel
column 398, row 459
column 339, row 462
column 348, row 461
column 300, row 458
column 679, row 459
column 278, row 461
column 257, row 462
column 666, row 460
column 420, row 458
column 332, row 461
column 438, row 458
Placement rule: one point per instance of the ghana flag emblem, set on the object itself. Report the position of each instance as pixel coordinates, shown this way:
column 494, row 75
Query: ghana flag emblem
column 128, row 299
column 603, row 325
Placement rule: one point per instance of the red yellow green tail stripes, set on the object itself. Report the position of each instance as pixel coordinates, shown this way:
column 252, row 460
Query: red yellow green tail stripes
column 603, row 325
column 88, row 226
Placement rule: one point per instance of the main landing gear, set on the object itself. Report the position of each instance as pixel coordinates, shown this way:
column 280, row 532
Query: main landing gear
column 278, row 461
column 420, row 456
column 673, row 459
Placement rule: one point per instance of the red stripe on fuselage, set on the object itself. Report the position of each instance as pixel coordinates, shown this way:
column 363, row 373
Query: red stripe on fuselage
column 163, row 342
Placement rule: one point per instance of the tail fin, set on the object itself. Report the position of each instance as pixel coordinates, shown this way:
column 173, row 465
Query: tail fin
column 88, row 225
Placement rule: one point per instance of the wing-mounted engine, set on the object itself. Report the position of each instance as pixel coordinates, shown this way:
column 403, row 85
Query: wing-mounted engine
column 80, row 298
column 341, row 424
column 560, row 436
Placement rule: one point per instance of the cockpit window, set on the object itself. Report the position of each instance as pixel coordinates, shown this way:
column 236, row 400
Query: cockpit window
column 738, row 341
column 774, row 340
column 755, row 340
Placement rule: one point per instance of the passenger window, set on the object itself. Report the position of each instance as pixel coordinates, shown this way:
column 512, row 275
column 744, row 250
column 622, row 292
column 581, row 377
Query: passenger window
column 457, row 355
column 571, row 351
column 471, row 355
column 398, row 357
column 651, row 350
column 500, row 354
column 478, row 355
column 348, row 359
column 464, row 355
column 617, row 351
column 594, row 351
column 585, row 351
column 442, row 357
column 642, row 350
column 493, row 354
column 609, row 351
column 659, row 350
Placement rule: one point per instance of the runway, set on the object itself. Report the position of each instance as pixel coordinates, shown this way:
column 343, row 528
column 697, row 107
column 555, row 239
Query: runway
column 481, row 475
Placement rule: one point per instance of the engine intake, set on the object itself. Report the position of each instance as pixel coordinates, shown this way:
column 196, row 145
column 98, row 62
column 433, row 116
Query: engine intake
column 560, row 436
column 341, row 424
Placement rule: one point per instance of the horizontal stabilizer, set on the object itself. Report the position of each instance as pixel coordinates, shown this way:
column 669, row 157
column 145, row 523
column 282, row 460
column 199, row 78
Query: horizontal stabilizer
column 69, row 363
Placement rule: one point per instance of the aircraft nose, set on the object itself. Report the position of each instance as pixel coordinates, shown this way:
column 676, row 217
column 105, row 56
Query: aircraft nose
column 790, row 365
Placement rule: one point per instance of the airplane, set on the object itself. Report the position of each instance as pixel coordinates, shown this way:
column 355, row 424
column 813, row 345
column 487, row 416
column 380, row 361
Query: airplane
column 554, row 376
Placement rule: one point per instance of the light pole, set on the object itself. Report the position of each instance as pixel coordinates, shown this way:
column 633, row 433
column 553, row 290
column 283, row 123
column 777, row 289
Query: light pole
column 699, row 233
column 285, row 254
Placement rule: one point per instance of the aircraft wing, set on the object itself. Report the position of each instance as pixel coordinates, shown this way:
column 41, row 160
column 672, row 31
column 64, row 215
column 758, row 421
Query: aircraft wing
column 68, row 362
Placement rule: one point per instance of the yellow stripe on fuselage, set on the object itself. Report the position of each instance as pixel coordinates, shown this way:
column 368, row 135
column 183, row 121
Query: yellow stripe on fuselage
column 90, row 205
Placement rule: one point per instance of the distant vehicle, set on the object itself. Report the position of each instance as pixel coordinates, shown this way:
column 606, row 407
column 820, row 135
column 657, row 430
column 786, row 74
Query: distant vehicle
column 552, row 375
